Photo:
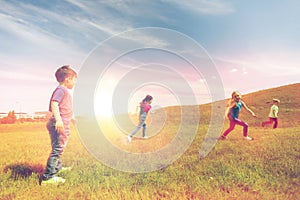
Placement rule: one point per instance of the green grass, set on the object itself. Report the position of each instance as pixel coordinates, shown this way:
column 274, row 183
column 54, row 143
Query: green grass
column 266, row 168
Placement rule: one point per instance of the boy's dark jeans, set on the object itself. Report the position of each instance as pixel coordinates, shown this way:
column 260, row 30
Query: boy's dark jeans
column 58, row 144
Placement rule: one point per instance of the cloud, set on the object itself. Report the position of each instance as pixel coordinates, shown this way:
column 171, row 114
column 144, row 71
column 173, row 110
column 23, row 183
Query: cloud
column 233, row 70
column 244, row 71
column 208, row 7
column 25, row 28
column 82, row 25
column 59, row 28
column 9, row 75
column 270, row 64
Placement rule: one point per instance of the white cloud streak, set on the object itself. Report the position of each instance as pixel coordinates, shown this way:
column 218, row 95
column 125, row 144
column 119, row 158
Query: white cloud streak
column 269, row 64
column 208, row 7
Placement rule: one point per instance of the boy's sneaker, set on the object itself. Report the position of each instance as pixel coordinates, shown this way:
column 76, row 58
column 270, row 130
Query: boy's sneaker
column 248, row 138
column 53, row 181
column 145, row 137
column 129, row 138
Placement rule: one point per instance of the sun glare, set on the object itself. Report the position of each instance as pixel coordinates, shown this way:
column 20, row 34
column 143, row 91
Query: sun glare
column 103, row 104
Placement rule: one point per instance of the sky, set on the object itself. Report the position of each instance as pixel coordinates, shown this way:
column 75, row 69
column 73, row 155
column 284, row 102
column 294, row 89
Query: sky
column 253, row 45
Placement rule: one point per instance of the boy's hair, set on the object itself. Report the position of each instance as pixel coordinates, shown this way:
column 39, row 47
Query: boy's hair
column 63, row 72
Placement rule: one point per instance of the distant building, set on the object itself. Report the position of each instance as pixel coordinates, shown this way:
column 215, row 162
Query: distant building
column 20, row 115
column 42, row 115
column 25, row 117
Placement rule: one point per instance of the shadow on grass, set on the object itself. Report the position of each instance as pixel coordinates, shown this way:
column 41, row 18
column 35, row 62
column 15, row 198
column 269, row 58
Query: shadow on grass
column 23, row 170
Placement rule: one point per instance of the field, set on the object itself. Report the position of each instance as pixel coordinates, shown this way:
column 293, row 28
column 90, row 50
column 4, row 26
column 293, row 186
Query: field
column 266, row 168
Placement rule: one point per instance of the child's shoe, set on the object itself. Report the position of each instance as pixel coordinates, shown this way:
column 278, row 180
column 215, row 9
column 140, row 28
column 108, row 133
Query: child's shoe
column 55, row 180
column 248, row 138
column 129, row 138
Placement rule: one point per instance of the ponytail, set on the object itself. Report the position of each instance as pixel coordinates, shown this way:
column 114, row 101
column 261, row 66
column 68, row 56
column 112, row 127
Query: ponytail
column 147, row 98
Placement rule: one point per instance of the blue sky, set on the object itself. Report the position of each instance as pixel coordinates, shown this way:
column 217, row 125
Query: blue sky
column 254, row 44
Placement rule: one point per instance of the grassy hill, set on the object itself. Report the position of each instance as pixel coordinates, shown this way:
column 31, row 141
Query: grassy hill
column 261, row 101
column 289, row 108
column 266, row 168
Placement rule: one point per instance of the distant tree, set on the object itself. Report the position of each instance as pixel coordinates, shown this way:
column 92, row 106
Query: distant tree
column 10, row 119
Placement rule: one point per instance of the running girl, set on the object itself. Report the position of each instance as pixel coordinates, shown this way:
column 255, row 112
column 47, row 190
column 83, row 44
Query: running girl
column 144, row 109
column 234, row 107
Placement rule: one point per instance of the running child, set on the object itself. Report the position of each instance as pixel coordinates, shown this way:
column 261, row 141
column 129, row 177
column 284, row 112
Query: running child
column 144, row 109
column 234, row 107
column 273, row 115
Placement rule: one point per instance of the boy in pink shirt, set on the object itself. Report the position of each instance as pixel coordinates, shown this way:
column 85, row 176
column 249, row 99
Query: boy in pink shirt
column 59, row 124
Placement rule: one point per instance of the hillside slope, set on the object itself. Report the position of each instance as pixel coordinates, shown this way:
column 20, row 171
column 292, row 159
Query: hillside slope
column 289, row 107
column 260, row 102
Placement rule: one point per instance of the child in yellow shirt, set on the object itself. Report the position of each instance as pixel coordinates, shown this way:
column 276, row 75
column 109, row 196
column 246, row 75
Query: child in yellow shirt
column 273, row 115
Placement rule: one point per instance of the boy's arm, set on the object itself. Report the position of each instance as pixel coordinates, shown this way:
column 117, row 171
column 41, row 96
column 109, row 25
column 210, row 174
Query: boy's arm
column 248, row 109
column 59, row 125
